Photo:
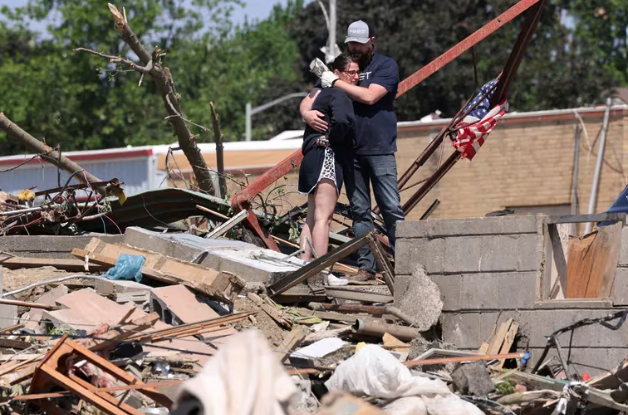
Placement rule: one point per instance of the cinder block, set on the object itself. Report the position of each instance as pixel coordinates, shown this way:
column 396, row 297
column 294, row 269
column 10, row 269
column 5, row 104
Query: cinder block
column 620, row 287
column 498, row 291
column 450, row 287
column 412, row 229
column 510, row 253
column 427, row 252
column 462, row 254
column 483, row 226
column 461, row 329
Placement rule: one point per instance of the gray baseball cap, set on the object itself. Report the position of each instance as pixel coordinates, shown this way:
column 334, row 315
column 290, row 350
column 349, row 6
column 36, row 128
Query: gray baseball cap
column 359, row 32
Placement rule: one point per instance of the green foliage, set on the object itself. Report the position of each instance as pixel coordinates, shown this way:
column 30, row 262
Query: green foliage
column 505, row 387
column 80, row 101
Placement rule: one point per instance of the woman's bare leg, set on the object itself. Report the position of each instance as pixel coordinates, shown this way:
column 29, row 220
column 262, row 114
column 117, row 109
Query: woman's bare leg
column 306, row 232
column 325, row 198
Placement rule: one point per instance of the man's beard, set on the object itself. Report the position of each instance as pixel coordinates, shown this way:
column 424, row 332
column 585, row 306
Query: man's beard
column 363, row 59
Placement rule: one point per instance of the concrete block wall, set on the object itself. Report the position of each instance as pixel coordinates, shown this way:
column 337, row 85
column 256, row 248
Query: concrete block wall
column 489, row 270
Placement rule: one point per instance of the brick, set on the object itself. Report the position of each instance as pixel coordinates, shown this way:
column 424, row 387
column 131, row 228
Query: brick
column 450, row 287
column 461, row 329
column 620, row 287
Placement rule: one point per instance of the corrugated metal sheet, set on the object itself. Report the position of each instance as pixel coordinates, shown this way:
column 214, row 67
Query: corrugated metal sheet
column 138, row 174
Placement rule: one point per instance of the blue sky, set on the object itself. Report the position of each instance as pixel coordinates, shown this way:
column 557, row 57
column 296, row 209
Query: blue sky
column 254, row 9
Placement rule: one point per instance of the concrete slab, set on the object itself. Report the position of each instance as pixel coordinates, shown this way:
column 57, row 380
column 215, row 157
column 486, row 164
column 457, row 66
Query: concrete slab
column 249, row 262
column 49, row 298
column 420, row 299
column 437, row 228
column 177, row 305
column 461, row 329
column 498, row 291
column 620, row 287
column 104, row 286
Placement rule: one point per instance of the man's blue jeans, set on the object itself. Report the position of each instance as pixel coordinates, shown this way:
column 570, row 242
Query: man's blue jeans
column 381, row 172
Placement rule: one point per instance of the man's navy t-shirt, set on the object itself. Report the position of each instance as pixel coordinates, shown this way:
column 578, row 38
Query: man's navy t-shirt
column 376, row 125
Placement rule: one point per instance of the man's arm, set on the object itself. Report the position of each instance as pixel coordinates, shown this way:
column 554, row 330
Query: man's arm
column 368, row 96
column 314, row 119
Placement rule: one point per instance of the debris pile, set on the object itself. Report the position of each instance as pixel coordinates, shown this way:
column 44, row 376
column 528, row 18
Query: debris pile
column 170, row 323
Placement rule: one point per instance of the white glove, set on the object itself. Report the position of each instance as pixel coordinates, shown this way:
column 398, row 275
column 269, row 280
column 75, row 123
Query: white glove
column 318, row 68
column 328, row 79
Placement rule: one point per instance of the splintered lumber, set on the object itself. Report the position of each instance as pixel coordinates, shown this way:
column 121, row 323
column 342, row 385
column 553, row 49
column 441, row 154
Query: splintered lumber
column 463, row 359
column 348, row 308
column 496, row 344
column 592, row 263
column 100, row 390
column 382, row 260
column 292, row 340
column 113, row 337
column 30, row 305
column 14, row 262
column 222, row 285
column 317, row 265
column 508, row 342
column 274, row 313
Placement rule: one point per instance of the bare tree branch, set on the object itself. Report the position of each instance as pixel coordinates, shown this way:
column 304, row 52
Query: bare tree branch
column 163, row 79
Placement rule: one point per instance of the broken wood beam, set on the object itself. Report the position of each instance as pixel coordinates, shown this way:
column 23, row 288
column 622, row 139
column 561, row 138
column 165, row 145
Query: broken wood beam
column 347, row 293
column 227, row 226
column 272, row 312
column 222, row 285
column 317, row 265
column 380, row 257
column 30, row 305
column 45, row 152
column 348, row 308
column 15, row 262
column 463, row 359
column 290, row 341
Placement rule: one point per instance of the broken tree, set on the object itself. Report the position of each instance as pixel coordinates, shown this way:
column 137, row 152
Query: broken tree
column 153, row 66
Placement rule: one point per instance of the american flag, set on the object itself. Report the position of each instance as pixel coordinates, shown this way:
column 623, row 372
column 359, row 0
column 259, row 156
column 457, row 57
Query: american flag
column 471, row 136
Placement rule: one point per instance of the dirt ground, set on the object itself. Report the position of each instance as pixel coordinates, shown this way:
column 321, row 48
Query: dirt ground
column 18, row 278
column 264, row 323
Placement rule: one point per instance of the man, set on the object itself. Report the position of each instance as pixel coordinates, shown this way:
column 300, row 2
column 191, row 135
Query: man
column 375, row 136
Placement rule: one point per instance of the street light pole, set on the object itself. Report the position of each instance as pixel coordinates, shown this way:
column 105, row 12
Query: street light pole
column 249, row 112
column 332, row 31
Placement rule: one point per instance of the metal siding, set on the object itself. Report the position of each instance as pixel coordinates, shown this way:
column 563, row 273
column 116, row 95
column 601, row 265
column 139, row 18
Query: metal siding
column 134, row 173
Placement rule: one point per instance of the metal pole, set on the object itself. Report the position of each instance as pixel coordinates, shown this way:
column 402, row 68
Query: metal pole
column 598, row 165
column 576, row 165
column 332, row 31
column 247, row 126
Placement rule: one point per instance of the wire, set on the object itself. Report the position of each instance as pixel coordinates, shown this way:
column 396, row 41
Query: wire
column 99, row 211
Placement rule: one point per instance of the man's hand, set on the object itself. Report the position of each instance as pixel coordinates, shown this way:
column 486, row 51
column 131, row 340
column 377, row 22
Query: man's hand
column 316, row 120
column 318, row 68
column 328, row 79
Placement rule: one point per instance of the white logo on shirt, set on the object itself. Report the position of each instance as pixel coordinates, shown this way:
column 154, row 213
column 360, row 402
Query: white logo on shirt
column 365, row 75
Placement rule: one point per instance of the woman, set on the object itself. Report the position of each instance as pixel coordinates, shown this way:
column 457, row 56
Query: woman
column 327, row 159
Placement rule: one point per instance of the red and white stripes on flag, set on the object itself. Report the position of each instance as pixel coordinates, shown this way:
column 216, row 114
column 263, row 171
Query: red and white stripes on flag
column 471, row 136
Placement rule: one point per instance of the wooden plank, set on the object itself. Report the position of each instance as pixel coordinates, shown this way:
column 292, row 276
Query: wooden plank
column 559, row 258
column 272, row 312
column 463, row 359
column 592, row 263
column 484, row 348
column 29, row 305
column 14, row 344
column 508, row 341
column 228, row 225
column 317, row 265
column 382, row 260
column 99, row 390
column 290, row 341
column 498, row 339
column 206, row 280
column 14, row 262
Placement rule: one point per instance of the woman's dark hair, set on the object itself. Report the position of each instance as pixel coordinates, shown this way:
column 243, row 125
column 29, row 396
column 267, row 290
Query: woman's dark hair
column 342, row 61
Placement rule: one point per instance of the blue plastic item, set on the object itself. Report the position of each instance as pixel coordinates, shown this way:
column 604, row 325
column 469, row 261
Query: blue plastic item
column 128, row 267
